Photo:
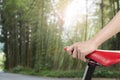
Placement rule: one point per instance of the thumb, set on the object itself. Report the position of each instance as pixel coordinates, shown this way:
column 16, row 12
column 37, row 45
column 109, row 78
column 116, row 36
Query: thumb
column 65, row 48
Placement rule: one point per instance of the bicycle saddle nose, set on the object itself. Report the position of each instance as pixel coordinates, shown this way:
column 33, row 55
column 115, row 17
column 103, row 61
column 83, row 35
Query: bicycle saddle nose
column 105, row 57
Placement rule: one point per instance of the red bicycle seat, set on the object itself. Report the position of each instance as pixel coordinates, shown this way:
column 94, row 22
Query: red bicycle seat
column 105, row 57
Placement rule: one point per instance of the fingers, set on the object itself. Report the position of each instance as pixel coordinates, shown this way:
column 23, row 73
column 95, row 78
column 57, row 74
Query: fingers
column 75, row 54
column 71, row 51
column 81, row 56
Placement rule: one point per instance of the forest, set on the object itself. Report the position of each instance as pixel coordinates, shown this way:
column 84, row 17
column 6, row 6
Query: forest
column 35, row 32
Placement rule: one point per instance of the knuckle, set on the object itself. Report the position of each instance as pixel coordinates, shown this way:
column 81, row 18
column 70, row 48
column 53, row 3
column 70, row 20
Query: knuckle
column 82, row 52
column 79, row 48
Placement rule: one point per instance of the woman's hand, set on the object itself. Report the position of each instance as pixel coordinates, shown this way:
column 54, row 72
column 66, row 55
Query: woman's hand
column 81, row 49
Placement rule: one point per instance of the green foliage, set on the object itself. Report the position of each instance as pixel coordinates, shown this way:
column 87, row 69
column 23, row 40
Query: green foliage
column 17, row 69
column 22, row 70
column 2, row 60
column 107, row 73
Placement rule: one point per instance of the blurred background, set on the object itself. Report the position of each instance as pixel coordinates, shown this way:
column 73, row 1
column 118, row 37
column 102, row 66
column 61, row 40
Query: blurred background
column 33, row 34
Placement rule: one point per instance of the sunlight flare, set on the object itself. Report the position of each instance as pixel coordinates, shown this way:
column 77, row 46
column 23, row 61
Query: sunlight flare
column 73, row 12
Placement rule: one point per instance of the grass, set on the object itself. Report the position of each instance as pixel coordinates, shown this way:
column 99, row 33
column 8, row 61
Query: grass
column 59, row 73
column 47, row 73
column 105, row 73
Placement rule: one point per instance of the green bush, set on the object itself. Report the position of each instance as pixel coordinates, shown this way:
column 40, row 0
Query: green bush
column 22, row 70
column 17, row 69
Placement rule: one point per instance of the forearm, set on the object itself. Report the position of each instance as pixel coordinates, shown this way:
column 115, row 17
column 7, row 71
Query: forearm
column 112, row 28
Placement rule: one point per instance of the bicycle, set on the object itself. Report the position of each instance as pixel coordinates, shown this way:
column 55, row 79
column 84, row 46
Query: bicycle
column 100, row 57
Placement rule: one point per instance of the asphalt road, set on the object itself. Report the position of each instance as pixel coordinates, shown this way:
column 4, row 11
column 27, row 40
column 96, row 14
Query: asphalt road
column 11, row 76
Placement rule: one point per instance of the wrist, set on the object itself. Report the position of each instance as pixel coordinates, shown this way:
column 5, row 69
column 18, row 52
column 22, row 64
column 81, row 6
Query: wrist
column 95, row 42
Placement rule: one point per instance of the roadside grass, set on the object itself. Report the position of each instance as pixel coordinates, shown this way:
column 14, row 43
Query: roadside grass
column 102, row 72
column 48, row 73
column 61, row 74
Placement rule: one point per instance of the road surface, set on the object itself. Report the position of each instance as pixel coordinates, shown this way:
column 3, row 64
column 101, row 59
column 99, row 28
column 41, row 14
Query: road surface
column 11, row 76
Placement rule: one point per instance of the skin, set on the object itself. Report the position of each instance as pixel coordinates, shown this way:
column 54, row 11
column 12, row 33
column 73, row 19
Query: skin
column 81, row 49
